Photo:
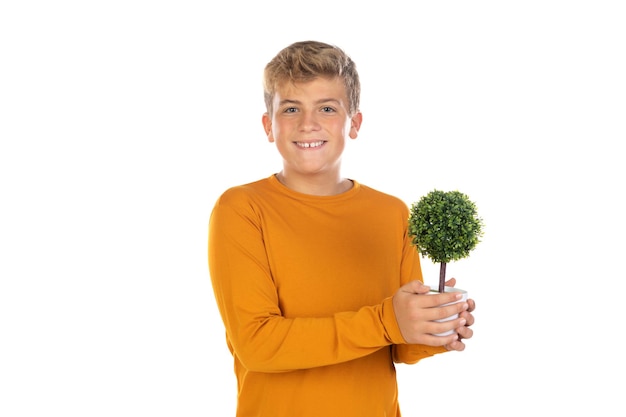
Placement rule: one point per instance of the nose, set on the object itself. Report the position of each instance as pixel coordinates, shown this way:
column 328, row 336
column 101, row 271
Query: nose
column 310, row 122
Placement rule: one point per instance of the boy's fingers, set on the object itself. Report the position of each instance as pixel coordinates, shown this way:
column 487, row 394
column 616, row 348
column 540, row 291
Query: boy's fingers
column 415, row 287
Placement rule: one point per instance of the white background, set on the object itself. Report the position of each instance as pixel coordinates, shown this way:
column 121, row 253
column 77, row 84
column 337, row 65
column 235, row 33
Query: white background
column 121, row 122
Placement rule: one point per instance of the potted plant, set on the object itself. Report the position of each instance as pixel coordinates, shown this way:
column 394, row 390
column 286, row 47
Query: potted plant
column 445, row 227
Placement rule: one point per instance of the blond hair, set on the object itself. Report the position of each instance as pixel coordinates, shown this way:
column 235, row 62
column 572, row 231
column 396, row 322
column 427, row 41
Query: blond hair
column 307, row 60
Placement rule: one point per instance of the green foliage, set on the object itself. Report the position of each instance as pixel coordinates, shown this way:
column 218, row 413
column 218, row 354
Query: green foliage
column 444, row 226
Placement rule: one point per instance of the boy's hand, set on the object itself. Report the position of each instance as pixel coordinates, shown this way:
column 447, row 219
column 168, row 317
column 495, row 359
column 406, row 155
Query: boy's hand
column 464, row 332
column 416, row 312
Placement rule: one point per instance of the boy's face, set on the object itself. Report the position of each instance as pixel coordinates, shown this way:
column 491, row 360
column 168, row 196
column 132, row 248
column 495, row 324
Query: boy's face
column 310, row 124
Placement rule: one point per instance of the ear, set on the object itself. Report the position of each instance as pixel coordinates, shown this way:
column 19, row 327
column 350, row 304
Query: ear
column 267, row 126
column 355, row 124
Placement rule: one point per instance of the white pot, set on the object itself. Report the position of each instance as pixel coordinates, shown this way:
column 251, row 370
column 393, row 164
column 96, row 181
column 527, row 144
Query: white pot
column 454, row 316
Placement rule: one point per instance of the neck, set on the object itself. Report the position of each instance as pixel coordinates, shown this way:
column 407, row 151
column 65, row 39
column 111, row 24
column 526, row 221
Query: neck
column 315, row 185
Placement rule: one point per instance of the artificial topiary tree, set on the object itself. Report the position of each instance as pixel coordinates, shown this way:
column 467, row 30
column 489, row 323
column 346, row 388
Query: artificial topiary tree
column 445, row 227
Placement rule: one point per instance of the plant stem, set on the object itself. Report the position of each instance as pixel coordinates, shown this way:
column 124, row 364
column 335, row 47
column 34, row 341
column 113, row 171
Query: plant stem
column 442, row 277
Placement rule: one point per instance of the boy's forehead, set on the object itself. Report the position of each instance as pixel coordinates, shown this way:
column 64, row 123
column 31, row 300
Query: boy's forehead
column 329, row 87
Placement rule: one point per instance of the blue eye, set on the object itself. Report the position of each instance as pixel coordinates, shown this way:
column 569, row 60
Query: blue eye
column 327, row 109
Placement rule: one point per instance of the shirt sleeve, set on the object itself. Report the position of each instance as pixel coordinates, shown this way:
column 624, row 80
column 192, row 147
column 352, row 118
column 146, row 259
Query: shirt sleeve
column 411, row 354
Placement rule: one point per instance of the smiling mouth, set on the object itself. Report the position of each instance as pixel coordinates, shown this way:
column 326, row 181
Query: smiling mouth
column 310, row 144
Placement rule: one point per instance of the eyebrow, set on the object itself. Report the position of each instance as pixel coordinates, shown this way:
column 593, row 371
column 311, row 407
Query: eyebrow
column 323, row 100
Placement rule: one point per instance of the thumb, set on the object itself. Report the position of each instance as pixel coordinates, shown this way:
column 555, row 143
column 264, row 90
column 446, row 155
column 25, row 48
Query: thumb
column 415, row 287
column 451, row 282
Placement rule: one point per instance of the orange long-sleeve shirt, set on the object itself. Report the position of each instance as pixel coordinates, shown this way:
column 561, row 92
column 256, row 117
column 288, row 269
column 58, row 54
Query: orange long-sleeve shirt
column 304, row 285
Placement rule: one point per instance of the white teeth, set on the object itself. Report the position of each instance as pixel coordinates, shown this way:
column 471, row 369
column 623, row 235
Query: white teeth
column 310, row 145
